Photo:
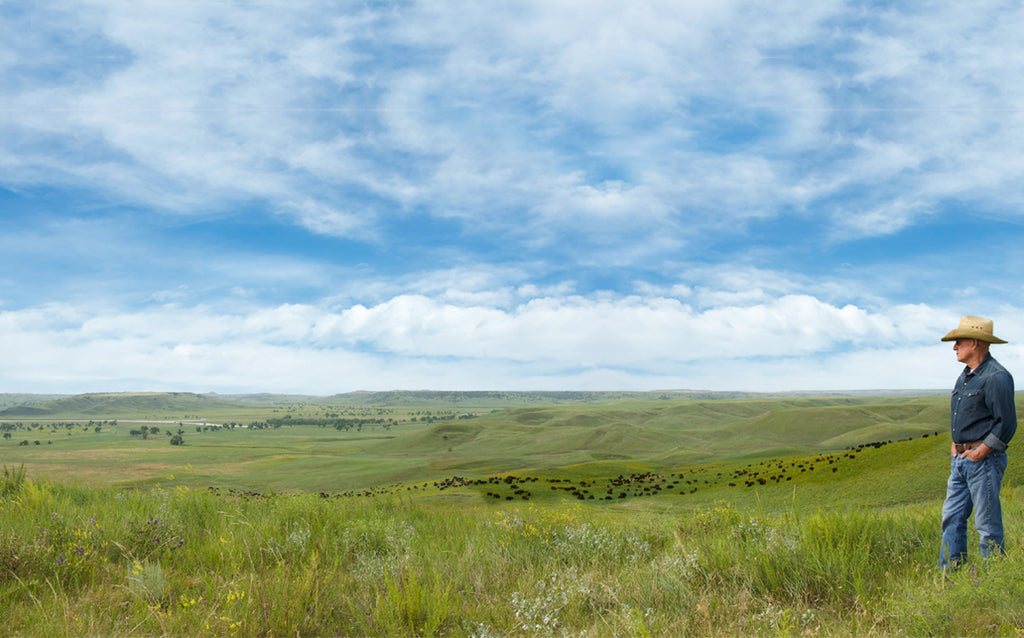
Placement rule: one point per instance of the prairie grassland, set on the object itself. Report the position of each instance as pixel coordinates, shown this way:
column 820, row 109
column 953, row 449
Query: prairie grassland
column 95, row 561
column 633, row 436
column 641, row 518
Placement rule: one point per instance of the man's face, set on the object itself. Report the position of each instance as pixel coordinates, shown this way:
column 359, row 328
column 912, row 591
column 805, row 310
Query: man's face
column 965, row 349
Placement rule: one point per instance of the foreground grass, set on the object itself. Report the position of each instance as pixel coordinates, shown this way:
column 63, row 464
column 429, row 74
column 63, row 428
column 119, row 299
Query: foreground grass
column 101, row 561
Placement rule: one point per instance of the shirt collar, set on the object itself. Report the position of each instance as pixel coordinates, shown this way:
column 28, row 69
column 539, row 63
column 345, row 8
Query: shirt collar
column 970, row 373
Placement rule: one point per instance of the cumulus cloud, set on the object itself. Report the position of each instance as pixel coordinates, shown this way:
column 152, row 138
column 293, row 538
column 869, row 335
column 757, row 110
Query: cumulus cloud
column 549, row 341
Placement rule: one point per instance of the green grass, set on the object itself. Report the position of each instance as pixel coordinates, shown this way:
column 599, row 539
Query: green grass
column 177, row 562
column 752, row 516
column 594, row 442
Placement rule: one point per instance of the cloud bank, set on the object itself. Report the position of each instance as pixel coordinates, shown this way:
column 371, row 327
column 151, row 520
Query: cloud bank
column 544, row 343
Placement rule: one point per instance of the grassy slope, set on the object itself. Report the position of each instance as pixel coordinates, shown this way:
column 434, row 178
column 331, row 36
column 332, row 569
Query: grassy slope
column 115, row 405
column 14, row 399
column 106, row 562
column 708, row 444
column 740, row 559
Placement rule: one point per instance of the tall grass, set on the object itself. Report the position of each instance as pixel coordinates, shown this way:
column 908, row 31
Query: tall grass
column 183, row 562
column 11, row 480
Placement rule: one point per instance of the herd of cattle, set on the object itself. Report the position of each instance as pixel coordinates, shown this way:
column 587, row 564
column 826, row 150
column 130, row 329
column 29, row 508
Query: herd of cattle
column 635, row 485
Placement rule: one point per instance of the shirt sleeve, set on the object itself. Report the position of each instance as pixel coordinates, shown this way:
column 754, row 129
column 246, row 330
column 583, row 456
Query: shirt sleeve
column 999, row 396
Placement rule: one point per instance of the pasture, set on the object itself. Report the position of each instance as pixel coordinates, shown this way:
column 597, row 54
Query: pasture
column 301, row 445
column 606, row 516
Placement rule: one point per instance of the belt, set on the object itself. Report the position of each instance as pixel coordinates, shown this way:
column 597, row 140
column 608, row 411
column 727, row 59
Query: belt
column 963, row 447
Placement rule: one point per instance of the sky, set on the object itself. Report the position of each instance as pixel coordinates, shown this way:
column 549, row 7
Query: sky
column 323, row 197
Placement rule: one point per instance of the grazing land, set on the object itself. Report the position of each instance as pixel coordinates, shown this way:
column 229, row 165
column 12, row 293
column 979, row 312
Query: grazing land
column 487, row 514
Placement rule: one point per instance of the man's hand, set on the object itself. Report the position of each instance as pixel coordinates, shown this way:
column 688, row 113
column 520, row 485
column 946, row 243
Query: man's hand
column 975, row 453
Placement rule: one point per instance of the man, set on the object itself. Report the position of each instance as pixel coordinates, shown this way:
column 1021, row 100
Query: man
column 983, row 419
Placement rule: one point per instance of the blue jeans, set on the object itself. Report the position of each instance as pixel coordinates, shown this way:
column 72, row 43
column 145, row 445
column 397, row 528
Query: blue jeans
column 972, row 486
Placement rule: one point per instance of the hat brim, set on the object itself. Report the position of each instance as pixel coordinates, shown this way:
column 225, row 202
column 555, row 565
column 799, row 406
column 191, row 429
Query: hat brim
column 953, row 335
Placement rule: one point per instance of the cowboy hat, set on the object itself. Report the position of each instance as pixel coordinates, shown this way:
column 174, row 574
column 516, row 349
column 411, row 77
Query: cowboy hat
column 972, row 327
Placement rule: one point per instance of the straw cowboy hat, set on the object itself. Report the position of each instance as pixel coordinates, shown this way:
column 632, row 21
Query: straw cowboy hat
column 972, row 327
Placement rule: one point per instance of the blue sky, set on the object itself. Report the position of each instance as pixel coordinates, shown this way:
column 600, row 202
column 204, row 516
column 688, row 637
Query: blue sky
column 321, row 197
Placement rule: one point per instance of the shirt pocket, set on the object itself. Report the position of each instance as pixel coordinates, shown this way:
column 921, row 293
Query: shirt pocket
column 972, row 403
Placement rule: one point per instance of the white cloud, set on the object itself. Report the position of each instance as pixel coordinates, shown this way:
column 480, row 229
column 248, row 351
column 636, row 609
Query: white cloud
column 213, row 99
column 417, row 341
column 542, row 120
column 885, row 219
column 324, row 220
column 937, row 86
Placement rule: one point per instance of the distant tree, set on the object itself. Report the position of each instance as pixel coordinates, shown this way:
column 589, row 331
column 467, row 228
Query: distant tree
column 177, row 439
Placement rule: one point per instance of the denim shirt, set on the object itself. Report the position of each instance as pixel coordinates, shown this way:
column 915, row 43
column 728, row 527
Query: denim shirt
column 982, row 406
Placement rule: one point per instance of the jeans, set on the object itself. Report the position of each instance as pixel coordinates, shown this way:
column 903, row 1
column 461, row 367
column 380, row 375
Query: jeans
column 972, row 486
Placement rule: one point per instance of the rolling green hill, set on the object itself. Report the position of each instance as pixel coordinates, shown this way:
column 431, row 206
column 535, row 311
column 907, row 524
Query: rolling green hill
column 15, row 399
column 499, row 399
column 689, row 450
column 123, row 404
column 506, row 399
column 114, row 404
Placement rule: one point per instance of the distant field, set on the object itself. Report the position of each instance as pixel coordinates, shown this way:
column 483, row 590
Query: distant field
column 685, row 452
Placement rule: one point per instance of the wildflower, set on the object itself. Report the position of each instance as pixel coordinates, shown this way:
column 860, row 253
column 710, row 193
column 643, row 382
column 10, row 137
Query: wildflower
column 185, row 602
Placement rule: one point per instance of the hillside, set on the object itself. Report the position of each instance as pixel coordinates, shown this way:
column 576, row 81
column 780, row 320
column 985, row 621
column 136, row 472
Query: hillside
column 306, row 446
column 122, row 405
column 859, row 450
column 506, row 399
column 499, row 399
column 179, row 404
column 14, row 399
column 695, row 429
